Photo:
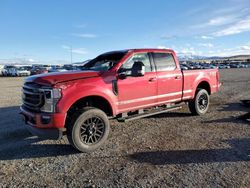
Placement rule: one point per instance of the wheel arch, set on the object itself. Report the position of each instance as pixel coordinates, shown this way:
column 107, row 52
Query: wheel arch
column 93, row 101
column 204, row 85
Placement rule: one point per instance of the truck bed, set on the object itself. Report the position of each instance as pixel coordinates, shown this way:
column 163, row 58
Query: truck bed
column 191, row 79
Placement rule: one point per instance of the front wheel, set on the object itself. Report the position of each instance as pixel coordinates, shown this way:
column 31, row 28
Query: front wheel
column 200, row 104
column 88, row 130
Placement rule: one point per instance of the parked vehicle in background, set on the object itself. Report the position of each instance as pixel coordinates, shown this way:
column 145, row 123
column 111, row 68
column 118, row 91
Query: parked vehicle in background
column 38, row 70
column 194, row 65
column 1, row 69
column 19, row 71
column 48, row 67
column 70, row 67
column 221, row 66
column 56, row 66
column 80, row 103
column 191, row 66
column 197, row 66
column 80, row 64
column 57, row 70
column 28, row 67
column 4, row 71
column 184, row 67
column 7, row 70
column 224, row 66
column 208, row 66
column 234, row 65
column 241, row 65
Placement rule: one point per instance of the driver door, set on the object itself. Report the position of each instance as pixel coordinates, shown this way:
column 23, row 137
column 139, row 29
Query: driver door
column 137, row 92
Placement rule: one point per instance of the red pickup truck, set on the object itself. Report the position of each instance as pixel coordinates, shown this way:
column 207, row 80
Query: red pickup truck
column 125, row 85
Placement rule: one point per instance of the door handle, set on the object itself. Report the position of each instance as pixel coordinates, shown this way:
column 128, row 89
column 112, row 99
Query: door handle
column 152, row 79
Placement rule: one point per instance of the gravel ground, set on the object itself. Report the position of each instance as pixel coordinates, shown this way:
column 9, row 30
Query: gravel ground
column 169, row 150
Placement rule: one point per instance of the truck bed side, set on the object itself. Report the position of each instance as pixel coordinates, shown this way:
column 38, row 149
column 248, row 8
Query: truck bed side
column 193, row 78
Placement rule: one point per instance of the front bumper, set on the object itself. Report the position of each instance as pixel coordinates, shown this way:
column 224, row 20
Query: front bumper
column 23, row 75
column 44, row 125
column 53, row 134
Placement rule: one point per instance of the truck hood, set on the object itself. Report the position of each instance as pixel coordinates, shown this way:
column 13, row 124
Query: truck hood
column 51, row 79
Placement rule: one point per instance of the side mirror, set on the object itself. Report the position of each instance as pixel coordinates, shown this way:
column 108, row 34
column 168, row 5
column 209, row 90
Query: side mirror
column 138, row 69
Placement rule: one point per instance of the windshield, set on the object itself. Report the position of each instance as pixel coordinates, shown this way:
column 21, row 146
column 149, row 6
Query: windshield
column 21, row 68
column 105, row 61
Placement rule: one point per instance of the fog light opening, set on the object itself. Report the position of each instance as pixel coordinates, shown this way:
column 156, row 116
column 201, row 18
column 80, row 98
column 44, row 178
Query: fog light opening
column 45, row 119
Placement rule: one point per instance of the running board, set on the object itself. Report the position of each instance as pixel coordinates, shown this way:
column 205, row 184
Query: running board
column 150, row 113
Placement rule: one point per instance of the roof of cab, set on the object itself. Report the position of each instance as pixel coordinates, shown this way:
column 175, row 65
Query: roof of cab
column 140, row 50
column 151, row 50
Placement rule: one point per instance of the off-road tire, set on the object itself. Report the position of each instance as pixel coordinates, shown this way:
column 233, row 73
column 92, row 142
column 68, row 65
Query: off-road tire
column 200, row 104
column 76, row 132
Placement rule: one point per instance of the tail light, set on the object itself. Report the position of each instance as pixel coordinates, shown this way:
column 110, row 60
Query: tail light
column 218, row 79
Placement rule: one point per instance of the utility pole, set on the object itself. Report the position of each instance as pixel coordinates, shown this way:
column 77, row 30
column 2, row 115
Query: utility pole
column 71, row 54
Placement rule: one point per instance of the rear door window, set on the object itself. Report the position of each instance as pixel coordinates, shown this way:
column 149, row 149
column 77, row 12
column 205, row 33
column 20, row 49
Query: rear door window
column 164, row 61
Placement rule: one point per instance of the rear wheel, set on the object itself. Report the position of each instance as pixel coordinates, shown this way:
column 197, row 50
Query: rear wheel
column 200, row 104
column 88, row 130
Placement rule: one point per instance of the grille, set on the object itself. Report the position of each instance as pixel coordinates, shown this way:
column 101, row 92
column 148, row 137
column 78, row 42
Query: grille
column 33, row 99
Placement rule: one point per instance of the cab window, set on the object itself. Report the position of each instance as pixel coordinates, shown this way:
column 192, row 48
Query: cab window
column 142, row 57
column 164, row 61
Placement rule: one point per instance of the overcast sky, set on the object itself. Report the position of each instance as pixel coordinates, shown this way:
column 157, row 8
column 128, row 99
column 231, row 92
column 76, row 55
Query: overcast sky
column 45, row 30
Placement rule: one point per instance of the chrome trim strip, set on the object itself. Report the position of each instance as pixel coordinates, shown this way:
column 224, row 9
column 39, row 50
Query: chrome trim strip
column 152, row 97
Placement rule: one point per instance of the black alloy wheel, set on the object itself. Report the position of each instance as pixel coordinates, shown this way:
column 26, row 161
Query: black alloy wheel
column 92, row 130
column 88, row 129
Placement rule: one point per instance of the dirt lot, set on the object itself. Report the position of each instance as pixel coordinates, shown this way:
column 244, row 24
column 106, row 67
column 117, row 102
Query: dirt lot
column 172, row 149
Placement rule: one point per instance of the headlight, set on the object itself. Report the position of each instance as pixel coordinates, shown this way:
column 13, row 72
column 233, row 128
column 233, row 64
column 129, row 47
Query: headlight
column 51, row 97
